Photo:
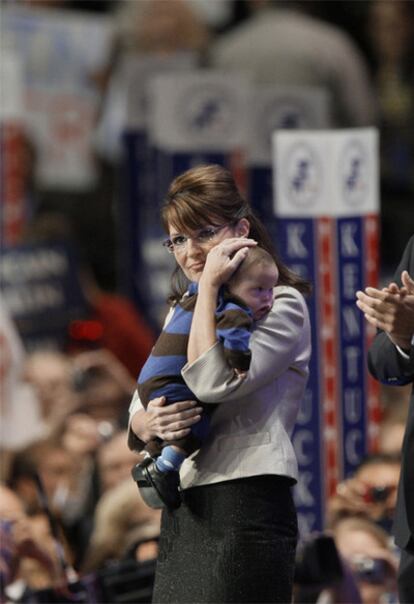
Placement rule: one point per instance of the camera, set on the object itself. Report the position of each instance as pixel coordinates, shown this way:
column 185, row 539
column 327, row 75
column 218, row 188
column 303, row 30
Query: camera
column 83, row 378
column 370, row 570
column 377, row 494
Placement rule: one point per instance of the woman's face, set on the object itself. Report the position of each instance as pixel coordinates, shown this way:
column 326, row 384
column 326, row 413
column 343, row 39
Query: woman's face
column 193, row 246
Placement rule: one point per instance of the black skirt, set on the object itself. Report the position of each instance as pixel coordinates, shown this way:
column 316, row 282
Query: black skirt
column 233, row 541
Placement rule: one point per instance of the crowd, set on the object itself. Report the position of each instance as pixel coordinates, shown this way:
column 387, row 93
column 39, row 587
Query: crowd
column 69, row 509
column 69, row 501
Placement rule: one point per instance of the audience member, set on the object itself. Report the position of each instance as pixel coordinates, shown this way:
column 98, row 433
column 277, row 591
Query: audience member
column 104, row 387
column 115, row 461
column 371, row 492
column 321, row 575
column 280, row 44
column 20, row 542
column 365, row 547
column 121, row 520
column 49, row 372
column 163, row 27
column 66, row 488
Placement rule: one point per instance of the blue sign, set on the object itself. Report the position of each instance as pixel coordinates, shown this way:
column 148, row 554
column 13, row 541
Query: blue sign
column 40, row 288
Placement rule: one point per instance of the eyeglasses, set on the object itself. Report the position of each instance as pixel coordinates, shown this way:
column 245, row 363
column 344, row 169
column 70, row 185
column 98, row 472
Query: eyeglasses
column 179, row 242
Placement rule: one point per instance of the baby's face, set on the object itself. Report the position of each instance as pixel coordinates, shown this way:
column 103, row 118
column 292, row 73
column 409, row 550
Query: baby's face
column 255, row 288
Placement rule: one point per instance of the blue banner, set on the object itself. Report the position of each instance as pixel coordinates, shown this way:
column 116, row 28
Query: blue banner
column 352, row 335
column 40, row 288
column 296, row 242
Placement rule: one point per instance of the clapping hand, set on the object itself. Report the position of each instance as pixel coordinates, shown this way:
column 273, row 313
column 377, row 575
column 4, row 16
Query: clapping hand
column 391, row 309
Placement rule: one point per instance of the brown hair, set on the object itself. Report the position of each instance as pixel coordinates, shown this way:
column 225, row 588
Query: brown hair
column 209, row 195
column 256, row 256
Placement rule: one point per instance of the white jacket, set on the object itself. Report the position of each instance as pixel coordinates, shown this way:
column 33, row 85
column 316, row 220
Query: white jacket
column 251, row 427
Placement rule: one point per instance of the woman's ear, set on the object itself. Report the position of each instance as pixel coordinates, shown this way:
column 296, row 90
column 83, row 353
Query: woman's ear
column 242, row 228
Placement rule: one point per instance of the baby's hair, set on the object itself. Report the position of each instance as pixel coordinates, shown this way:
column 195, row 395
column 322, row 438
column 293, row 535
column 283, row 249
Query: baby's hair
column 256, row 256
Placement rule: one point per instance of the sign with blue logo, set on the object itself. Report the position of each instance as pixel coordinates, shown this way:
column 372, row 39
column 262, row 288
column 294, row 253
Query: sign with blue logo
column 326, row 202
column 273, row 108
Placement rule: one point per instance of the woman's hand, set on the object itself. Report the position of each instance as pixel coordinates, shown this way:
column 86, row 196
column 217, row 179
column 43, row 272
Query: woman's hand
column 221, row 262
column 223, row 259
column 168, row 422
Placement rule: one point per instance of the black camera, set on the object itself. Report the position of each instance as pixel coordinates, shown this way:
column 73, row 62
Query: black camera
column 377, row 494
column 83, row 378
column 370, row 570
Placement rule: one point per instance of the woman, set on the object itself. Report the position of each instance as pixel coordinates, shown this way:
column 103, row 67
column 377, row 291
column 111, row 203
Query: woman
column 233, row 538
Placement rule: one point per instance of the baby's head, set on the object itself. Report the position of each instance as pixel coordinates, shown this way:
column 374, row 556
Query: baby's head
column 254, row 280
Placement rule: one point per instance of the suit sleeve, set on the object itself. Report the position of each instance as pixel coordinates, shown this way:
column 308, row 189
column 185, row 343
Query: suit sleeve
column 275, row 344
column 387, row 365
column 385, row 362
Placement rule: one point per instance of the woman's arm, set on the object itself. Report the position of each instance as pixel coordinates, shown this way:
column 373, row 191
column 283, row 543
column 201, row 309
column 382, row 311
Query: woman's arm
column 221, row 263
column 279, row 343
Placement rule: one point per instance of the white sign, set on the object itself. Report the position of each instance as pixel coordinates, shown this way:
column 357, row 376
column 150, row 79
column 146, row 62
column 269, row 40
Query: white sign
column 326, row 173
column 282, row 107
column 60, row 51
column 203, row 110
column 11, row 82
column 138, row 69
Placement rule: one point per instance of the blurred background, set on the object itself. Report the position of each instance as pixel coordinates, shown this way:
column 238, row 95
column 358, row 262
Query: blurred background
column 102, row 103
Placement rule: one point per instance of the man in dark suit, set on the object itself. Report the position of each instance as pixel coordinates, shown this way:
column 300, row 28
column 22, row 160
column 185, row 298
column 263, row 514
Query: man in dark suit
column 391, row 361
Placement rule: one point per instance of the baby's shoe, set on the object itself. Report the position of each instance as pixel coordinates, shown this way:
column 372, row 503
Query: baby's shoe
column 158, row 489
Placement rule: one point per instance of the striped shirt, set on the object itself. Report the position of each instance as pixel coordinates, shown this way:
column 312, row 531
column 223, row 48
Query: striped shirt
column 161, row 374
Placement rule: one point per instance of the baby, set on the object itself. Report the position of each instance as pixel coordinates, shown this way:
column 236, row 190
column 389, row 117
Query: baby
column 247, row 297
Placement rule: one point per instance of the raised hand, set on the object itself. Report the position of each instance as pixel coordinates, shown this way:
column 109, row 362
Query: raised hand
column 223, row 259
column 391, row 309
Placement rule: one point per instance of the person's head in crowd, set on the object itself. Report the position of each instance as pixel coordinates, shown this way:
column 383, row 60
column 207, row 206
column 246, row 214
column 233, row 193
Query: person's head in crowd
column 365, row 547
column 28, row 551
column 56, row 470
column 35, row 574
column 114, row 461
column 121, row 521
column 102, row 396
column 371, row 492
column 391, row 30
column 379, row 474
column 161, row 27
column 49, row 373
